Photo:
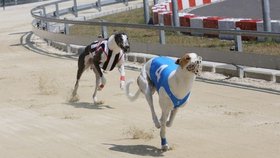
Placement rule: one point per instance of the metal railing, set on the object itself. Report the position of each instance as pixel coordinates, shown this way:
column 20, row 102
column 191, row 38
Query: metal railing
column 145, row 47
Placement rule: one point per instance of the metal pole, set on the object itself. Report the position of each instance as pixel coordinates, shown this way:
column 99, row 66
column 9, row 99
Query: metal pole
column 155, row 1
column 161, row 32
column 238, row 42
column 66, row 32
column 56, row 10
column 75, row 8
column 146, row 11
column 175, row 15
column 266, row 15
column 126, row 2
column 3, row 4
column 44, row 22
column 104, row 31
column 98, row 5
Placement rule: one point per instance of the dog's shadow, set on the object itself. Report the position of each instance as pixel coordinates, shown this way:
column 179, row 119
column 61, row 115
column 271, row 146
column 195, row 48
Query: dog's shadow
column 141, row 150
column 87, row 105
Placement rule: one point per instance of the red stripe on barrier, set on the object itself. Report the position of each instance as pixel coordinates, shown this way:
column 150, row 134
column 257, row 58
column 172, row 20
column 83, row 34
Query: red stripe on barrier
column 247, row 25
column 155, row 17
column 179, row 4
column 192, row 3
column 206, row 1
column 167, row 19
column 185, row 21
column 212, row 22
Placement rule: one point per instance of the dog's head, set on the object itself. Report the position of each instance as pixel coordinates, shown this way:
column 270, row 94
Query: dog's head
column 191, row 62
column 119, row 40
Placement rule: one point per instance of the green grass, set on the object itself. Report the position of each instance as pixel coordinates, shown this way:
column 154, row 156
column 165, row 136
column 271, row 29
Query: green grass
column 152, row 36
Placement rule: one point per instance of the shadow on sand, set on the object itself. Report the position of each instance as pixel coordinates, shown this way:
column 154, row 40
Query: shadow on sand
column 90, row 105
column 26, row 42
column 142, row 150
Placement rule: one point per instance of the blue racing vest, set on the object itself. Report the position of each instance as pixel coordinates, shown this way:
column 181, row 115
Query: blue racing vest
column 161, row 68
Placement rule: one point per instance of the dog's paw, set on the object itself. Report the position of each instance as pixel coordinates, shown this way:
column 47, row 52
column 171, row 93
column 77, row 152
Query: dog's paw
column 168, row 124
column 100, row 102
column 122, row 85
column 73, row 99
column 157, row 125
column 165, row 147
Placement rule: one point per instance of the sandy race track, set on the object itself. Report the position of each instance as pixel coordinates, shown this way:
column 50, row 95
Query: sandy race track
column 37, row 121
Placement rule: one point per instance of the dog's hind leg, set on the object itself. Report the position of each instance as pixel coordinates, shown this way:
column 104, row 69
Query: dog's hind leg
column 171, row 117
column 147, row 89
column 81, row 69
column 79, row 74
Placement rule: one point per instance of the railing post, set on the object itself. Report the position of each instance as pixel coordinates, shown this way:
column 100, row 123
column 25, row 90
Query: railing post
column 66, row 32
column 75, row 10
column 98, row 5
column 104, row 31
column 161, row 32
column 155, row 1
column 3, row 4
column 238, row 42
column 126, row 2
column 56, row 10
column 46, row 27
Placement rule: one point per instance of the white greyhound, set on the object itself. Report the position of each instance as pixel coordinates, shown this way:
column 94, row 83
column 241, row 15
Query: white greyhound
column 173, row 81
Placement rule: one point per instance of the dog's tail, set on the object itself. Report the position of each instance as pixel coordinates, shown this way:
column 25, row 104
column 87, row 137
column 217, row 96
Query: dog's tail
column 131, row 97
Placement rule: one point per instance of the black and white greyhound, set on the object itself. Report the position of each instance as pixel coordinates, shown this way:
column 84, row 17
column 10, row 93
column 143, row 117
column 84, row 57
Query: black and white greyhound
column 103, row 55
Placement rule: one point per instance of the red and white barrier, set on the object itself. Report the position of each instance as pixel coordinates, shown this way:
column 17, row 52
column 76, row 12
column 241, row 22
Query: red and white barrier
column 156, row 16
column 185, row 4
column 189, row 20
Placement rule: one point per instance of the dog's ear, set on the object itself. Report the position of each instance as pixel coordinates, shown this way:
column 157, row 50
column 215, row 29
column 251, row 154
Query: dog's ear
column 177, row 62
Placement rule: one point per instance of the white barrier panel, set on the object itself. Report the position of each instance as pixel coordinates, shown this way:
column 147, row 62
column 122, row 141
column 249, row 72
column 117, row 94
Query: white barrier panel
column 198, row 2
column 197, row 22
column 185, row 4
column 227, row 24
column 275, row 27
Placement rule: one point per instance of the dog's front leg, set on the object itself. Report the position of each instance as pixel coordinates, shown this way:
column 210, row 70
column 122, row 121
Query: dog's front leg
column 171, row 117
column 122, row 76
column 163, row 119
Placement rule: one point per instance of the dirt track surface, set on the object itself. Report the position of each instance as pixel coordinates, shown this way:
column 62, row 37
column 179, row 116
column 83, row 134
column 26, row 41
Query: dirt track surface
column 36, row 120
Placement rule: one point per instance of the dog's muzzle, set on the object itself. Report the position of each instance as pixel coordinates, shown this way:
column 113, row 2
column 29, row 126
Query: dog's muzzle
column 126, row 49
column 196, row 67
